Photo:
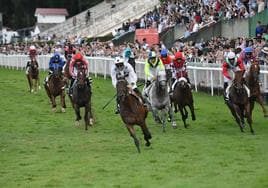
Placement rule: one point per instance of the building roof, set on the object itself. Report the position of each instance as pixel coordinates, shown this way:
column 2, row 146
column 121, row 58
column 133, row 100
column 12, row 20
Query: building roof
column 51, row 11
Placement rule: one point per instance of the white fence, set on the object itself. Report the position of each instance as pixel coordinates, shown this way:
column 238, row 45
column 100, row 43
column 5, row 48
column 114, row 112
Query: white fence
column 200, row 74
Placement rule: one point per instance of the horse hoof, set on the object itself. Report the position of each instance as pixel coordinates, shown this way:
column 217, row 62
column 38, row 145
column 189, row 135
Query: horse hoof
column 174, row 125
column 266, row 116
column 32, row 90
column 39, row 87
column 90, row 121
column 54, row 109
column 148, row 144
column 63, row 110
column 76, row 123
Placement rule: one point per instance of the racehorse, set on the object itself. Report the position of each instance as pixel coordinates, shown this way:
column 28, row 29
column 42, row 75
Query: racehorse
column 66, row 74
column 132, row 112
column 159, row 100
column 33, row 76
column 238, row 102
column 82, row 98
column 55, row 87
column 182, row 97
column 252, row 80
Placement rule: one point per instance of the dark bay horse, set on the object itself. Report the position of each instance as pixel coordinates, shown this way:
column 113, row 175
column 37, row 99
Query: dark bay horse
column 132, row 112
column 66, row 74
column 33, row 76
column 54, row 88
column 181, row 98
column 159, row 100
column 252, row 80
column 238, row 102
column 82, row 98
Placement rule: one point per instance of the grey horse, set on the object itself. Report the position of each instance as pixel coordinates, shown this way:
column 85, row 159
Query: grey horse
column 157, row 97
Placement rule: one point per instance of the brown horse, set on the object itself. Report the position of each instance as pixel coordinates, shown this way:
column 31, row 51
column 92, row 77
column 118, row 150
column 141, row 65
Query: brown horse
column 238, row 102
column 54, row 88
column 66, row 74
column 252, row 80
column 132, row 112
column 82, row 98
column 33, row 76
column 182, row 97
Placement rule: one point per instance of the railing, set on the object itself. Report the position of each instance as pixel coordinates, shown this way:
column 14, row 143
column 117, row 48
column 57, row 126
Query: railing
column 201, row 74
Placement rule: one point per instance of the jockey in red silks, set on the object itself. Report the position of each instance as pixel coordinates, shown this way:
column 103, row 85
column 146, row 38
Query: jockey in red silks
column 32, row 55
column 234, row 64
column 179, row 69
column 77, row 62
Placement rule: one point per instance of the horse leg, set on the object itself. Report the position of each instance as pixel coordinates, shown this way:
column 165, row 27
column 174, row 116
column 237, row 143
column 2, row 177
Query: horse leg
column 48, row 92
column 35, row 85
column 183, row 116
column 132, row 133
column 38, row 82
column 77, row 113
column 30, row 80
column 252, row 103
column 249, row 117
column 90, row 115
column 147, row 134
column 238, row 117
column 63, row 105
column 155, row 115
column 259, row 99
column 53, row 101
column 171, row 116
column 191, row 106
column 163, row 119
column 86, row 117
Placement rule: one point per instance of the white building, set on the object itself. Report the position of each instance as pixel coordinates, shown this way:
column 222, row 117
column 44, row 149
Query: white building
column 51, row 15
column 48, row 17
column 7, row 35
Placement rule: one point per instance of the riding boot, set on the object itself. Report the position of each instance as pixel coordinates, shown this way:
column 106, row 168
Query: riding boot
column 27, row 68
column 224, row 91
column 71, row 87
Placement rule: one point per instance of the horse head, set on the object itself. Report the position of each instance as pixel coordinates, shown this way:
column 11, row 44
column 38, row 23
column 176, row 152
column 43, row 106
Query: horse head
column 33, row 64
column 81, row 78
column 238, row 82
column 121, row 87
column 254, row 71
column 182, row 82
column 161, row 80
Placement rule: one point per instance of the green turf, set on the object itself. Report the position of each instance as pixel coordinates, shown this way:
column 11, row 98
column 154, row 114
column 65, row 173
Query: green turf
column 39, row 148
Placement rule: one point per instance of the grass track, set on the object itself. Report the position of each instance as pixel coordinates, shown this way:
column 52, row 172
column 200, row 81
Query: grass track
column 39, row 148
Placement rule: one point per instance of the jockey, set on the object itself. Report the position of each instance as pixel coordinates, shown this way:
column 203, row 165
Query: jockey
column 32, row 55
column 151, row 67
column 55, row 62
column 120, row 69
column 179, row 68
column 77, row 61
column 167, row 61
column 247, row 57
column 69, row 51
column 235, row 64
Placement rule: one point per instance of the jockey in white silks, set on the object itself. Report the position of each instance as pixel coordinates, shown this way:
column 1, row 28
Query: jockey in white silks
column 123, row 70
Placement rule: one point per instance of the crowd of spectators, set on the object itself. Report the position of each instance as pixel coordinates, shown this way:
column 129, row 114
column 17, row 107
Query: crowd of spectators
column 192, row 14
column 213, row 51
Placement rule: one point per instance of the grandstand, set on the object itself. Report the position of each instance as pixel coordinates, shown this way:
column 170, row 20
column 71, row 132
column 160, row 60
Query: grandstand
column 103, row 19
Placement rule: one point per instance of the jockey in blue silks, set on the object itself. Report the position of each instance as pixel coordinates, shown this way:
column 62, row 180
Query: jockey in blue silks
column 55, row 63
